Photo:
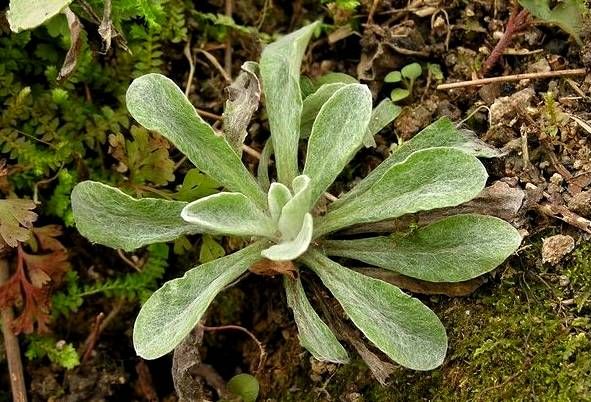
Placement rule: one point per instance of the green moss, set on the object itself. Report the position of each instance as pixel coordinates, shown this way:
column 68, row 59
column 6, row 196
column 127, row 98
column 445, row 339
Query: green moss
column 525, row 336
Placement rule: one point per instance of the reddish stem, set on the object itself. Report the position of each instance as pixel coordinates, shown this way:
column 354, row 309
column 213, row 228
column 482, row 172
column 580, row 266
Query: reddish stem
column 518, row 21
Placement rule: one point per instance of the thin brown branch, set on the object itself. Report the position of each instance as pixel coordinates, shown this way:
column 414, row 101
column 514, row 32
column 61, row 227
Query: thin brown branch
column 128, row 261
column 98, row 327
column 214, row 62
column 515, row 77
column 262, row 352
column 209, row 115
column 13, row 352
column 93, row 337
column 190, row 57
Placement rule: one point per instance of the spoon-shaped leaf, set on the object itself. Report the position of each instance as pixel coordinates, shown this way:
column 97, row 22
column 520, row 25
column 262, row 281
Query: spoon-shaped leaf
column 313, row 333
column 158, row 104
column 399, row 325
column 173, row 310
column 28, row 14
column 453, row 249
column 291, row 249
column 428, row 179
column 229, row 213
column 337, row 134
column 280, row 72
column 108, row 216
column 441, row 133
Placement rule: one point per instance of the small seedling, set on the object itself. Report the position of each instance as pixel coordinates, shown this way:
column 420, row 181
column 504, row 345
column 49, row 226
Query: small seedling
column 435, row 71
column 407, row 77
column 286, row 223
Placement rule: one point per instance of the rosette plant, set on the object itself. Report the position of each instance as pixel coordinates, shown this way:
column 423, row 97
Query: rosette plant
column 282, row 222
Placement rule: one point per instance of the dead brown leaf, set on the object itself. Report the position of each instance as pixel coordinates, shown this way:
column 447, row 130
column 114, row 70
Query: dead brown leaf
column 243, row 100
column 75, row 45
column 456, row 289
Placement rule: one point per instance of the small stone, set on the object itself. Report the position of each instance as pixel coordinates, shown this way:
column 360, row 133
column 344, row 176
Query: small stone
column 554, row 248
column 354, row 397
column 506, row 108
column 556, row 179
column 563, row 281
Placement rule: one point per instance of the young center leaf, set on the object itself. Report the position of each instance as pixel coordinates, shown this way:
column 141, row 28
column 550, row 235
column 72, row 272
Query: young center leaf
column 230, row 214
column 337, row 134
column 278, row 196
column 428, row 179
column 158, row 104
column 174, row 309
column 280, row 73
column 399, row 325
column 108, row 216
column 313, row 333
column 442, row 133
column 289, row 250
column 453, row 249
column 293, row 212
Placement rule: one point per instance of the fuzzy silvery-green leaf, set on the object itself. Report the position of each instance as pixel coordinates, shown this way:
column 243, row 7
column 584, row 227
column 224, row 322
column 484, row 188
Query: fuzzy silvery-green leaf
column 334, row 77
column 453, row 249
column 442, row 133
column 230, row 214
column 293, row 212
column 567, row 14
column 28, row 14
column 158, row 104
column 428, row 179
column 401, row 326
column 382, row 115
column 337, row 134
column 312, row 104
column 280, row 73
column 108, row 216
column 173, row 310
column 263, row 167
column 278, row 196
column 313, row 333
column 289, row 250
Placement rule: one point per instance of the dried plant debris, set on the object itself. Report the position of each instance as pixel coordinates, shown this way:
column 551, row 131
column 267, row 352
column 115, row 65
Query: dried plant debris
column 16, row 220
column 556, row 247
column 36, row 273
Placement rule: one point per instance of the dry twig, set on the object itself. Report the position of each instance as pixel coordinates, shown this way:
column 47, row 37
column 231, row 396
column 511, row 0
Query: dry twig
column 13, row 352
column 515, row 77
